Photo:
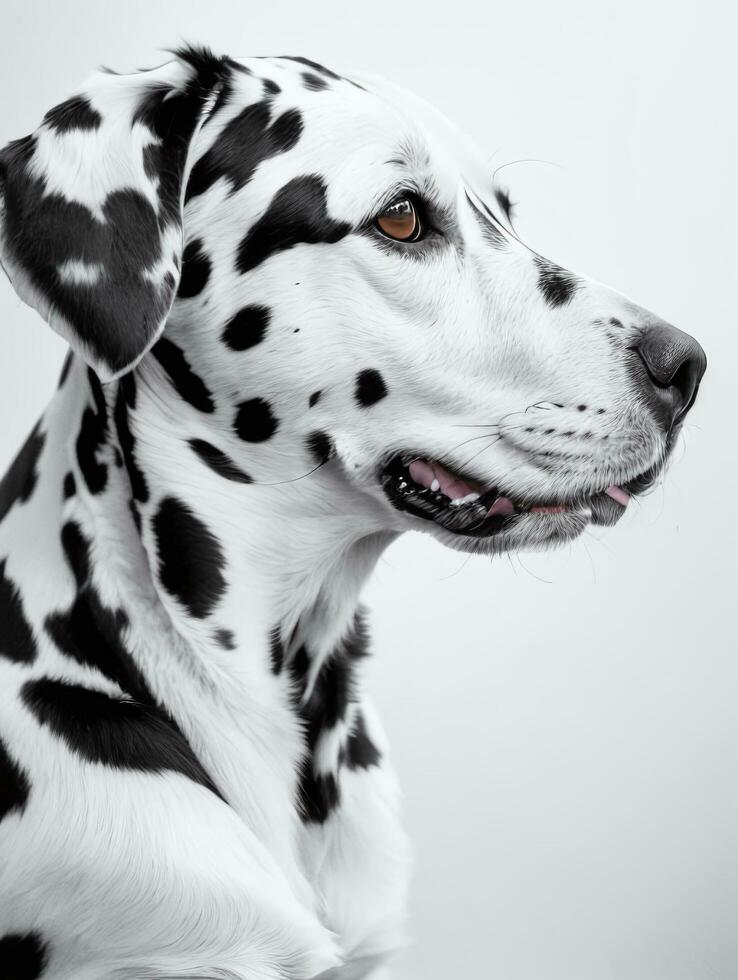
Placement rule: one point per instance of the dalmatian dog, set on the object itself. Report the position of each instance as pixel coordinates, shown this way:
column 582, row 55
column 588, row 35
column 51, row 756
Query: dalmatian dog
column 301, row 324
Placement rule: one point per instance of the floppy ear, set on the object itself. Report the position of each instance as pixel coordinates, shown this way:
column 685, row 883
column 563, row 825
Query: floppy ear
column 91, row 207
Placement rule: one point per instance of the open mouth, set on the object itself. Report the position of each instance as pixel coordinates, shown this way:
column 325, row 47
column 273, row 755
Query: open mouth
column 429, row 490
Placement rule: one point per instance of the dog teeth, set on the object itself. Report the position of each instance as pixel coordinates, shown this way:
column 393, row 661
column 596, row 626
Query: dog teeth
column 435, row 485
column 468, row 499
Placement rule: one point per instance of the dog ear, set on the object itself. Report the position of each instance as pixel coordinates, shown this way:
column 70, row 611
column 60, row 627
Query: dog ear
column 91, row 206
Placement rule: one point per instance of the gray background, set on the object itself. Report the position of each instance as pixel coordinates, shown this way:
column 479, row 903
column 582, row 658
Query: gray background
column 564, row 725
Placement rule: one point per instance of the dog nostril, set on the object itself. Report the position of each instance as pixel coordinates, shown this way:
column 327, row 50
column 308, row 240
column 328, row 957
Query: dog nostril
column 675, row 364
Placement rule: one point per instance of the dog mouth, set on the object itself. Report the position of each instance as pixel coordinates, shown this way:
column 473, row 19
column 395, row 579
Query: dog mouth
column 462, row 506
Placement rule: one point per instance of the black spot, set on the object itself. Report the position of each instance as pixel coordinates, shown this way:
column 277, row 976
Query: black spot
column 314, row 398
column 318, row 795
column 320, row 69
column 195, row 270
column 615, row 322
column 92, row 436
column 66, row 368
column 114, row 732
column 75, row 113
column 20, row 480
column 89, row 632
column 226, row 639
column 23, row 956
column 17, row 642
column 247, row 328
column 557, row 285
column 191, row 560
column 70, row 487
column 332, row 692
column 320, row 446
column 490, row 227
column 316, row 83
column 270, row 87
column 218, row 461
column 581, row 408
column 361, row 752
column 14, row 786
column 189, row 386
column 254, row 420
column 601, row 411
column 276, row 650
column 505, row 204
column 370, row 387
column 245, row 142
column 124, row 402
column 297, row 214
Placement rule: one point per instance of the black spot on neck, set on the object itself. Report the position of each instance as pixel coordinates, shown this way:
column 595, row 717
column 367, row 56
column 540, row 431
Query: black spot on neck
column 557, row 285
column 360, row 751
column 14, row 785
column 333, row 692
column 247, row 328
column 114, row 732
column 188, row 385
column 20, row 480
column 17, row 641
column 125, row 401
column 320, row 447
column 195, row 270
column 66, row 368
column 276, row 650
column 370, row 387
column 70, row 487
column 225, row 639
column 218, row 461
column 314, row 398
column 191, row 560
column 23, row 955
column 297, row 214
column 92, row 437
column 254, row 421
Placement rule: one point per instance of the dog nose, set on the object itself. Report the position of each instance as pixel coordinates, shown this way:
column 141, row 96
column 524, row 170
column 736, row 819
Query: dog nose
column 675, row 363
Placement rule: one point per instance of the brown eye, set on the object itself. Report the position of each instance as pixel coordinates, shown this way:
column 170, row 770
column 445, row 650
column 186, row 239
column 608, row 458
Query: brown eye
column 400, row 221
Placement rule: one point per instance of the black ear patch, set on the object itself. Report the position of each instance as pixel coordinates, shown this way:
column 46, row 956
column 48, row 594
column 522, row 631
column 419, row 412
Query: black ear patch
column 245, row 142
column 20, row 480
column 247, row 328
column 103, row 273
column 255, row 421
column 297, row 214
column 23, row 956
column 370, row 387
column 191, row 560
column 557, row 285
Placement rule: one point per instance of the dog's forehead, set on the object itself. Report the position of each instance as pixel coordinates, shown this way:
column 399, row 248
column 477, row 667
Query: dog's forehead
column 358, row 126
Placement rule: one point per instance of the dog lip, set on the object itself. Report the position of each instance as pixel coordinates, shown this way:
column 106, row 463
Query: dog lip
column 428, row 489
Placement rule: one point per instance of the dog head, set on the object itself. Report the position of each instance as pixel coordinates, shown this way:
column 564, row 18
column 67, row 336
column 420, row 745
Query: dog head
column 344, row 297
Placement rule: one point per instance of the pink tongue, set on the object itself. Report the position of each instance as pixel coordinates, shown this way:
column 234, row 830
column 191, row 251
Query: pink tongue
column 619, row 495
column 502, row 506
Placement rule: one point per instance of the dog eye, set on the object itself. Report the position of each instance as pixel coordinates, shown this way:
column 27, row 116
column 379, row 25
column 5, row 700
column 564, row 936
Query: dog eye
column 400, row 220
